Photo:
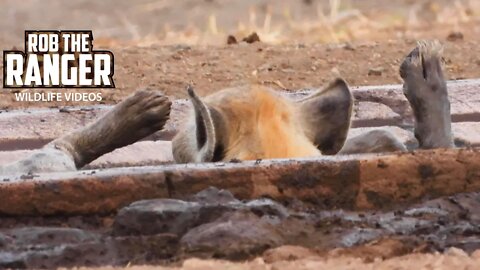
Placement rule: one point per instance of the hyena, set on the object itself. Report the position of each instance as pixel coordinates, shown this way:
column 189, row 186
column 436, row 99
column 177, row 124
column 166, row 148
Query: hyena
column 254, row 122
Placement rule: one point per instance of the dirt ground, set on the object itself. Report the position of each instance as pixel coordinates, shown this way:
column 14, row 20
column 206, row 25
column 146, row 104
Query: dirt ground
column 298, row 57
column 437, row 261
column 300, row 259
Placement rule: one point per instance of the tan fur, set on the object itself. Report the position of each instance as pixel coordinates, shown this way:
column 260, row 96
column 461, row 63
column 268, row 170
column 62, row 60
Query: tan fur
column 254, row 122
column 428, row 49
column 264, row 124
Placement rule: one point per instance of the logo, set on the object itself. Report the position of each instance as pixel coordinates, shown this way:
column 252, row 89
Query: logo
column 58, row 59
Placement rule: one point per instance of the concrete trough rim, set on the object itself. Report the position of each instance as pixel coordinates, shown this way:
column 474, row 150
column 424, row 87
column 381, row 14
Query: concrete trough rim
column 191, row 166
column 392, row 109
column 373, row 181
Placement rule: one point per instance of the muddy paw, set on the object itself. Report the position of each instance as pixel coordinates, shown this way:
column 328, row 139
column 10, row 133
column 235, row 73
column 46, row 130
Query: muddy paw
column 143, row 113
column 426, row 90
column 422, row 71
column 138, row 116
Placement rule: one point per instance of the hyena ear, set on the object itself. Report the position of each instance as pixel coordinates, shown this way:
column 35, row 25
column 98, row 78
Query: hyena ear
column 209, row 130
column 204, row 128
column 326, row 116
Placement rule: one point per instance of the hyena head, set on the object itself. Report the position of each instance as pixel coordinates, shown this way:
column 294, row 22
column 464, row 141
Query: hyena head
column 254, row 122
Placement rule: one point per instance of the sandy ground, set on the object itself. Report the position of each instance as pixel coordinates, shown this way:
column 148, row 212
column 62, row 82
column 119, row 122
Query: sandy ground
column 289, row 67
column 299, row 59
column 451, row 259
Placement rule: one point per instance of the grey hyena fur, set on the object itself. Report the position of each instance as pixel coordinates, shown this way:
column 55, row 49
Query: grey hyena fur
column 136, row 117
column 426, row 90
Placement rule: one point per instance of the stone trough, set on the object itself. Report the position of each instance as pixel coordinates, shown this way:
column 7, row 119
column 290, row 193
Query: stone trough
column 133, row 206
column 349, row 182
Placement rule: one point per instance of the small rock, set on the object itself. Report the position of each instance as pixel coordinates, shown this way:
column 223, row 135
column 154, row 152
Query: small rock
column 176, row 57
column 252, row 38
column 141, row 249
column 102, row 251
column 82, row 254
column 28, row 176
column 378, row 71
column 349, row 47
column 288, row 70
column 87, row 109
column 266, row 67
column 150, row 217
column 455, row 36
column 214, row 195
column 359, row 236
column 231, row 40
column 262, row 207
column 5, row 240
column 287, row 253
column 10, row 261
column 65, row 110
column 50, row 236
column 171, row 216
column 236, row 236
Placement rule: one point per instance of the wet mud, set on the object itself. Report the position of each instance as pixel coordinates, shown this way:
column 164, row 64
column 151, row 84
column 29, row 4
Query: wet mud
column 215, row 224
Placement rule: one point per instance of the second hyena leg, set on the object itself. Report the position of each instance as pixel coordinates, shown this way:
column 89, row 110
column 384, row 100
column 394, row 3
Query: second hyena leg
column 47, row 159
column 136, row 117
column 426, row 90
column 374, row 141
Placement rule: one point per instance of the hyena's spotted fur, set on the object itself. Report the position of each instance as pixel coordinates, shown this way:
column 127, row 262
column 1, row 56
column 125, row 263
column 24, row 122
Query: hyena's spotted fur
column 254, row 122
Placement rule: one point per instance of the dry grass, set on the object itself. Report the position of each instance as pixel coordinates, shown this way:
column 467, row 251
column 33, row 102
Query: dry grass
column 336, row 23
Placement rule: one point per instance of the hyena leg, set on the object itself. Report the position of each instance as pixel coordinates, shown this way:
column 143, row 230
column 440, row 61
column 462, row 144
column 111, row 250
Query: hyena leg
column 374, row 141
column 426, row 90
column 136, row 117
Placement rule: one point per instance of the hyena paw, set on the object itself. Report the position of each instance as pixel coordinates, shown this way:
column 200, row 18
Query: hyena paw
column 426, row 90
column 422, row 71
column 145, row 112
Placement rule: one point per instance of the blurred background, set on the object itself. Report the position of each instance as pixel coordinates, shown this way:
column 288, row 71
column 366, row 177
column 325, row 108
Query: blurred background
column 165, row 44
column 209, row 22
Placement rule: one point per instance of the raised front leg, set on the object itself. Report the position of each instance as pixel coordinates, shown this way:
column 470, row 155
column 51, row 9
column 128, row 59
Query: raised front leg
column 426, row 90
column 138, row 116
